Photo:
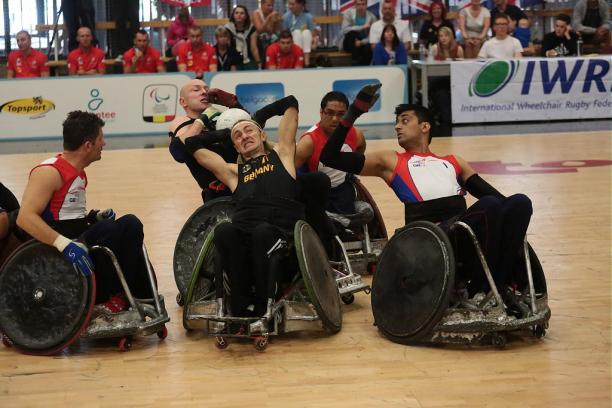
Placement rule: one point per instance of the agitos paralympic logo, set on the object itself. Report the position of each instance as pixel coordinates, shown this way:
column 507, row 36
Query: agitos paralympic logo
column 35, row 107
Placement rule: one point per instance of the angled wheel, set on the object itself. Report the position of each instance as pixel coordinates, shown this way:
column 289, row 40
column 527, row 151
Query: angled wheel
column 318, row 276
column 45, row 303
column 192, row 236
column 261, row 343
column 163, row 333
column 413, row 282
column 377, row 225
column 348, row 298
column 221, row 342
column 125, row 344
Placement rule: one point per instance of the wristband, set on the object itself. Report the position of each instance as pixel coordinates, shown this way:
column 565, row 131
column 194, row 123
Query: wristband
column 61, row 242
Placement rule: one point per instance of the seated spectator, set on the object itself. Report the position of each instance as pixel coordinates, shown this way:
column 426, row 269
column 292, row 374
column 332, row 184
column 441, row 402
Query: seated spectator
column 437, row 19
column 178, row 32
column 389, row 50
column 301, row 25
column 446, row 48
column 141, row 58
column 268, row 24
column 514, row 13
column 502, row 46
column 474, row 23
column 403, row 28
column 592, row 20
column 26, row 62
column 196, row 55
column 353, row 38
column 86, row 59
column 522, row 32
column 562, row 42
column 244, row 37
column 228, row 59
column 284, row 54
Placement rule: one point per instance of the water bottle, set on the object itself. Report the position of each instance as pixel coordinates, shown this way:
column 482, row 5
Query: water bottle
column 579, row 47
column 422, row 52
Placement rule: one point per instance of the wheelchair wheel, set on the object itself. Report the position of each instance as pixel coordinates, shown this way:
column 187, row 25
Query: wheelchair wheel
column 201, row 283
column 377, row 225
column 45, row 303
column 318, row 276
column 413, row 282
column 191, row 238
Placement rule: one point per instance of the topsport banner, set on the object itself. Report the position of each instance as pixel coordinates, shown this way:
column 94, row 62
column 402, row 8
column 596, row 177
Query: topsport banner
column 129, row 104
column 531, row 89
column 256, row 89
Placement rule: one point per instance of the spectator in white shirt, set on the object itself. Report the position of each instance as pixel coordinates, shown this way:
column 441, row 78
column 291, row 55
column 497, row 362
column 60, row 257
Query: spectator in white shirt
column 502, row 46
column 403, row 28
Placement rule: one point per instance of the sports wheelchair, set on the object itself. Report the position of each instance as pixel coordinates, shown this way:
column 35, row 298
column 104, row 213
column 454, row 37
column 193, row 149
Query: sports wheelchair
column 363, row 235
column 419, row 292
column 198, row 226
column 46, row 304
column 309, row 300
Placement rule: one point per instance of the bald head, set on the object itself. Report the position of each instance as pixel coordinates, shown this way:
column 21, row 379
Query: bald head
column 84, row 37
column 194, row 97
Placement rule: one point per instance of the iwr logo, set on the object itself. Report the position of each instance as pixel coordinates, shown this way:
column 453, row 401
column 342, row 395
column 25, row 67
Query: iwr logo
column 542, row 77
column 255, row 96
column 492, row 78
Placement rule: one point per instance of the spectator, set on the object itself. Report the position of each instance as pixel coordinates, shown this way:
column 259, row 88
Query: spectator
column 243, row 38
column 353, row 38
column 514, row 13
column 389, row 51
column 26, row 62
column 284, row 54
column 437, row 19
column 196, row 55
column 403, row 28
column 502, row 46
column 522, row 33
column 268, row 24
column 592, row 20
column 228, row 59
column 439, row 87
column 141, row 58
column 86, row 59
column 474, row 23
column 446, row 48
column 562, row 42
column 301, row 25
column 178, row 32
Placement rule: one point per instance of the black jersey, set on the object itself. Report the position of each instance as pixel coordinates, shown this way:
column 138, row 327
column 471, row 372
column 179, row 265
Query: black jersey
column 266, row 192
column 202, row 175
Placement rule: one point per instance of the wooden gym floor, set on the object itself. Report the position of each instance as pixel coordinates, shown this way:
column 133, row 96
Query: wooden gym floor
column 570, row 231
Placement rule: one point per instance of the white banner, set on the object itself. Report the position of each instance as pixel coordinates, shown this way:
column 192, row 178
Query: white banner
column 129, row 104
column 255, row 89
column 531, row 89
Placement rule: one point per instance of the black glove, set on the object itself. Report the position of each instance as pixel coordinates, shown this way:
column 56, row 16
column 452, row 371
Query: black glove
column 276, row 108
column 220, row 97
column 365, row 99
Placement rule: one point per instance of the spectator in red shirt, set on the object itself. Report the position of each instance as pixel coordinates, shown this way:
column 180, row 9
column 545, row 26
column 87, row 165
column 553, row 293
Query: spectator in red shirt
column 284, row 54
column 26, row 62
column 196, row 55
column 86, row 59
column 141, row 58
column 178, row 32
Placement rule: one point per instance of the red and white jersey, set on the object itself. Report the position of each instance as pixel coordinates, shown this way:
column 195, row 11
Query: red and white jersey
column 319, row 138
column 27, row 66
column 79, row 59
column 68, row 202
column 424, row 176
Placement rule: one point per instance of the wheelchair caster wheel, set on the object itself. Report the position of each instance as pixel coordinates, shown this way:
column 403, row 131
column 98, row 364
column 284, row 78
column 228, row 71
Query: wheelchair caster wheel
column 260, row 343
column 125, row 344
column 221, row 342
column 179, row 300
column 6, row 341
column 348, row 298
column 163, row 333
column 539, row 331
column 371, row 268
column 498, row 340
